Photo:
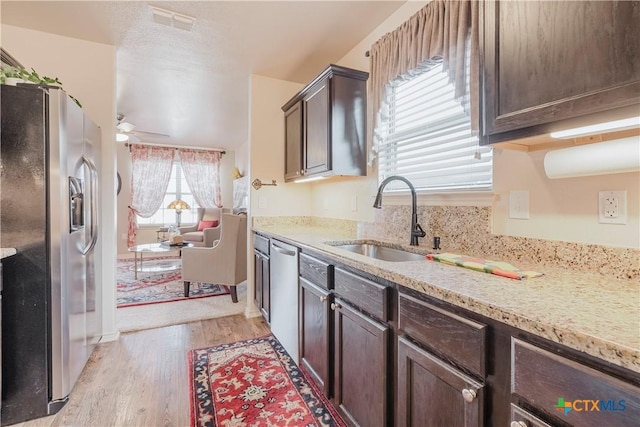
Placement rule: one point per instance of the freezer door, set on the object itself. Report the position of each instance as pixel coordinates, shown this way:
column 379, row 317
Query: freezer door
column 68, row 301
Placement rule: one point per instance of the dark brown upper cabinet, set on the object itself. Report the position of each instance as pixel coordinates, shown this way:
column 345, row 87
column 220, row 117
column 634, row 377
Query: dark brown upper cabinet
column 551, row 65
column 325, row 126
column 293, row 142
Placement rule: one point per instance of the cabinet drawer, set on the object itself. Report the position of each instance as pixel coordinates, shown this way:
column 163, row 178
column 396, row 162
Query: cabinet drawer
column 570, row 391
column 317, row 272
column 460, row 340
column 261, row 243
column 364, row 293
column 522, row 418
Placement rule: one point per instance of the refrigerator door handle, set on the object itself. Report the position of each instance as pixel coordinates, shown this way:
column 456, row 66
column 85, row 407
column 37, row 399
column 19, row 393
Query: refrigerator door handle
column 76, row 204
column 93, row 184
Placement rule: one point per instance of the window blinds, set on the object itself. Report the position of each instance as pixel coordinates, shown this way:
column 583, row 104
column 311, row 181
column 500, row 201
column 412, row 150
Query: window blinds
column 424, row 135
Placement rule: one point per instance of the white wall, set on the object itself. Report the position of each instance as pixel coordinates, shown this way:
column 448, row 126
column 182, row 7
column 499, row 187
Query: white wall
column 87, row 71
column 562, row 209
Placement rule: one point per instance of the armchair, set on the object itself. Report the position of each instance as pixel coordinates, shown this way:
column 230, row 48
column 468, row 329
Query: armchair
column 207, row 236
column 225, row 263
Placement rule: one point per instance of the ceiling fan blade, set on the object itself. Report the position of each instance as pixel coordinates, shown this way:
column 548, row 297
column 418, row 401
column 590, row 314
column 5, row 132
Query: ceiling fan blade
column 153, row 134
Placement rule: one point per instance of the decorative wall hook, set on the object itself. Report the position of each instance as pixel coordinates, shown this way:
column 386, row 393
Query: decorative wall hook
column 257, row 184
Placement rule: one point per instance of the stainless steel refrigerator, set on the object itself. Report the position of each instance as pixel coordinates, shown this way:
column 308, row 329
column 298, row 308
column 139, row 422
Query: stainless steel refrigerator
column 49, row 212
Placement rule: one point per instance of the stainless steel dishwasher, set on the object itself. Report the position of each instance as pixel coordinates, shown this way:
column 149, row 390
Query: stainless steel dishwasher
column 284, row 295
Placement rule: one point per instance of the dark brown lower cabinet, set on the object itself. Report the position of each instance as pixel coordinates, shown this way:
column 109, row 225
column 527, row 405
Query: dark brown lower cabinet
column 522, row 418
column 433, row 393
column 315, row 332
column 261, row 284
column 572, row 393
column 360, row 367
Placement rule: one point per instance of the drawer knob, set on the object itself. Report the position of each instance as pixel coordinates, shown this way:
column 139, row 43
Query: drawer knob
column 469, row 395
column 323, row 298
column 519, row 424
column 335, row 306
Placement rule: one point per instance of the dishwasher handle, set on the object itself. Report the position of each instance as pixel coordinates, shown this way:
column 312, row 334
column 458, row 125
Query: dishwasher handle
column 282, row 250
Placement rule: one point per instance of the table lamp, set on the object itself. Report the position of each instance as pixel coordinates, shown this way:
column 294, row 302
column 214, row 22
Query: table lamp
column 179, row 206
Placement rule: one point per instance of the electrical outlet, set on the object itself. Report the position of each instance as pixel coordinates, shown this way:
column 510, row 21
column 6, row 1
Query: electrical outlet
column 519, row 204
column 262, row 202
column 612, row 207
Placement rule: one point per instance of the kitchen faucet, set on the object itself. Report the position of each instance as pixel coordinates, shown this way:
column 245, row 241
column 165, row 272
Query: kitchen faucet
column 416, row 230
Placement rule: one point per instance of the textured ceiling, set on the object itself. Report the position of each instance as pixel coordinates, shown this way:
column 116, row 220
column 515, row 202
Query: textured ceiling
column 194, row 86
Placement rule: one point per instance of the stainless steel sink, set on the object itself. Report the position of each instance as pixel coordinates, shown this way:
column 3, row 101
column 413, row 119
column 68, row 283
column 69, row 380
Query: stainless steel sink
column 381, row 252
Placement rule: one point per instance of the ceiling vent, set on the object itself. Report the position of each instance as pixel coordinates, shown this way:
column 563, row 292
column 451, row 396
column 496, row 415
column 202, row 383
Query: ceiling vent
column 172, row 19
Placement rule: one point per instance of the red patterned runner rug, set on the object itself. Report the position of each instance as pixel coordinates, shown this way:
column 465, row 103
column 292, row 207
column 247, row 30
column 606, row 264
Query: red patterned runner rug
column 254, row 383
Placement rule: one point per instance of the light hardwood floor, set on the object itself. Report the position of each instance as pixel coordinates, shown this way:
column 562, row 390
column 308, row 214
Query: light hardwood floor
column 142, row 379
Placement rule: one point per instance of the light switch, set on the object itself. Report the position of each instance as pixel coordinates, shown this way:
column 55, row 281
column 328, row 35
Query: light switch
column 519, row 204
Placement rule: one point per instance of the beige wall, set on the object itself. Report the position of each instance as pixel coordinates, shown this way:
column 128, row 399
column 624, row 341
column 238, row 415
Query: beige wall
column 242, row 158
column 266, row 162
column 266, row 157
column 87, row 71
column 562, row 209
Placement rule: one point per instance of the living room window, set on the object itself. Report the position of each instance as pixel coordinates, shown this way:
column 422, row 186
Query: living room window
column 177, row 189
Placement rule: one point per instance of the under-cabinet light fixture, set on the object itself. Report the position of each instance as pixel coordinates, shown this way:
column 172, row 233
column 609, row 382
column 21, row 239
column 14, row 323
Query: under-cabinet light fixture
column 313, row 178
column 172, row 19
column 630, row 123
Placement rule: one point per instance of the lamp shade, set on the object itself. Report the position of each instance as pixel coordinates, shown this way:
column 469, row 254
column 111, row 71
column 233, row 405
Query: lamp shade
column 179, row 205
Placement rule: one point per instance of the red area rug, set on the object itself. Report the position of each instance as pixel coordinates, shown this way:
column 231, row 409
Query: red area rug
column 157, row 287
column 254, row 383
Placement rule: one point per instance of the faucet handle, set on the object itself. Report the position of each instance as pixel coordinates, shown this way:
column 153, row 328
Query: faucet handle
column 418, row 231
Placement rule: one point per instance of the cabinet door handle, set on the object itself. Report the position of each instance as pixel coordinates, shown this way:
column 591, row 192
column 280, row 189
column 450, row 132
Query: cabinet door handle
column 323, row 298
column 469, row 395
column 519, row 424
column 335, row 306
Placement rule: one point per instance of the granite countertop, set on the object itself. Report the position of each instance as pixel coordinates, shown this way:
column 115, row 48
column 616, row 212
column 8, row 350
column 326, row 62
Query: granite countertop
column 585, row 311
column 7, row 252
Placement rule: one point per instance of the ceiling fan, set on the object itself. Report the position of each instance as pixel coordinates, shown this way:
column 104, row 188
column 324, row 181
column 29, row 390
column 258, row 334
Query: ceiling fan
column 126, row 131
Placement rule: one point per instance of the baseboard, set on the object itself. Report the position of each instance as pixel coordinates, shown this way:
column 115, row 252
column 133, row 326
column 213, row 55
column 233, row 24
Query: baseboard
column 251, row 311
column 110, row 337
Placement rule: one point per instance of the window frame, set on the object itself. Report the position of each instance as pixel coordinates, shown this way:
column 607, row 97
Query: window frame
column 385, row 161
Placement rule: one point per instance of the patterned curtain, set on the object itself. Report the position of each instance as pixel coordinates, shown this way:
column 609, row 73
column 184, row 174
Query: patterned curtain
column 202, row 171
column 150, row 173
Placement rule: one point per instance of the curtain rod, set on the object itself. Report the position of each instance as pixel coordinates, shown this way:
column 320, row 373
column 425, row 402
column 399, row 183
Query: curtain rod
column 129, row 144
